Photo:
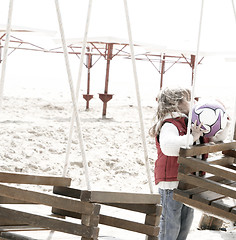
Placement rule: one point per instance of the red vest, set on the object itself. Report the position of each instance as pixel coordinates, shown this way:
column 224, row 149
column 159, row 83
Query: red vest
column 166, row 167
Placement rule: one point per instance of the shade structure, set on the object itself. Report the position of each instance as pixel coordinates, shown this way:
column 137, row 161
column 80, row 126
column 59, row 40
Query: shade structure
column 107, row 47
column 24, row 29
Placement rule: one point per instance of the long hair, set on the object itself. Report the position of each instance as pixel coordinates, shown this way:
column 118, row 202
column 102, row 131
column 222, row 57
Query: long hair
column 168, row 101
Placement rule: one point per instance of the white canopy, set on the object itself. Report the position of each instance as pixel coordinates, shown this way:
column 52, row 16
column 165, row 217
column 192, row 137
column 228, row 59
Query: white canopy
column 176, row 48
column 21, row 29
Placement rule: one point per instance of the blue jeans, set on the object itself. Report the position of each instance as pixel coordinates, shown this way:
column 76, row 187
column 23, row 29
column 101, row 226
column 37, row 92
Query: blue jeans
column 176, row 218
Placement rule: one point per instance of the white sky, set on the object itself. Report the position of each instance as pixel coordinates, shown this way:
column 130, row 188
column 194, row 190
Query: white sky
column 171, row 22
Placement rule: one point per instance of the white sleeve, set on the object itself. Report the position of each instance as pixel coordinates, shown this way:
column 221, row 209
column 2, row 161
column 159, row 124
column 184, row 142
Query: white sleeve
column 171, row 141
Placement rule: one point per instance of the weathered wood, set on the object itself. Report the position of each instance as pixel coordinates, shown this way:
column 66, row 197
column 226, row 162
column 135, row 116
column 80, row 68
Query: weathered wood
column 7, row 177
column 151, row 238
column 60, row 225
column 67, row 191
column 207, row 148
column 19, row 228
column 49, row 200
column 231, row 153
column 216, row 160
column 109, row 197
column 15, row 236
column 129, row 225
column 142, row 208
column 209, row 222
column 116, row 222
column 195, row 190
column 152, row 220
column 89, row 221
column 7, row 200
column 119, row 197
column 222, row 160
column 185, row 169
column 9, row 221
column 209, row 185
column 204, row 207
column 224, row 203
column 207, row 197
column 220, row 171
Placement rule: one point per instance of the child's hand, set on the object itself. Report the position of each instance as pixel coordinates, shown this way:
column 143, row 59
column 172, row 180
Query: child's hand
column 197, row 131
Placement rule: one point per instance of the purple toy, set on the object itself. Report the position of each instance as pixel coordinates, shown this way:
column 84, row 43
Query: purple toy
column 212, row 116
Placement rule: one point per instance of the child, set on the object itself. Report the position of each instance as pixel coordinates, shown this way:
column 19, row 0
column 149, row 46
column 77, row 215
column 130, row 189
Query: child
column 170, row 134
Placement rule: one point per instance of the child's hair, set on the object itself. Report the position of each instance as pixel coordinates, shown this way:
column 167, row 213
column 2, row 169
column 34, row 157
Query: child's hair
column 168, row 101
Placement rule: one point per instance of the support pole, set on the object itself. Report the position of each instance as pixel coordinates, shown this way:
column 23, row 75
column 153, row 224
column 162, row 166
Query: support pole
column 163, row 62
column 88, row 96
column 77, row 95
column 75, row 107
column 194, row 77
column 105, row 97
column 5, row 51
column 192, row 64
column 138, row 98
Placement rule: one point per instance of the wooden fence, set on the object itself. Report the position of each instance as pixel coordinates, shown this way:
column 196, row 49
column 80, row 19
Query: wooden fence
column 17, row 204
column 215, row 193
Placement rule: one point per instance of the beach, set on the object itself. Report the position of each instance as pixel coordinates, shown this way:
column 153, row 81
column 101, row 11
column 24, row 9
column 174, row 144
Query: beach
column 34, row 136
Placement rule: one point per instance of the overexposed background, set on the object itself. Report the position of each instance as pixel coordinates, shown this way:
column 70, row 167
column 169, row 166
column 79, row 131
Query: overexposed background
column 37, row 108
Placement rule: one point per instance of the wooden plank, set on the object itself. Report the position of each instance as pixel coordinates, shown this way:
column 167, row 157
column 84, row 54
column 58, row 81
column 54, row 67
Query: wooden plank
column 231, row 153
column 210, row 197
column 51, row 223
column 207, row 148
column 7, row 177
column 119, row 197
column 152, row 220
column 210, row 223
column 206, row 208
column 222, row 160
column 129, row 225
column 116, row 222
column 207, row 197
column 142, row 208
column 19, row 228
column 195, row 190
column 224, row 203
column 6, row 200
column 108, row 197
column 15, row 236
column 185, row 169
column 209, row 185
column 49, row 200
column 220, row 171
column 67, row 191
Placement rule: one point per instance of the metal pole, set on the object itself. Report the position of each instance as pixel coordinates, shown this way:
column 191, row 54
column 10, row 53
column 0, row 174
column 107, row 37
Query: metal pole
column 193, row 58
column 109, row 58
column 89, row 65
column 162, row 69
